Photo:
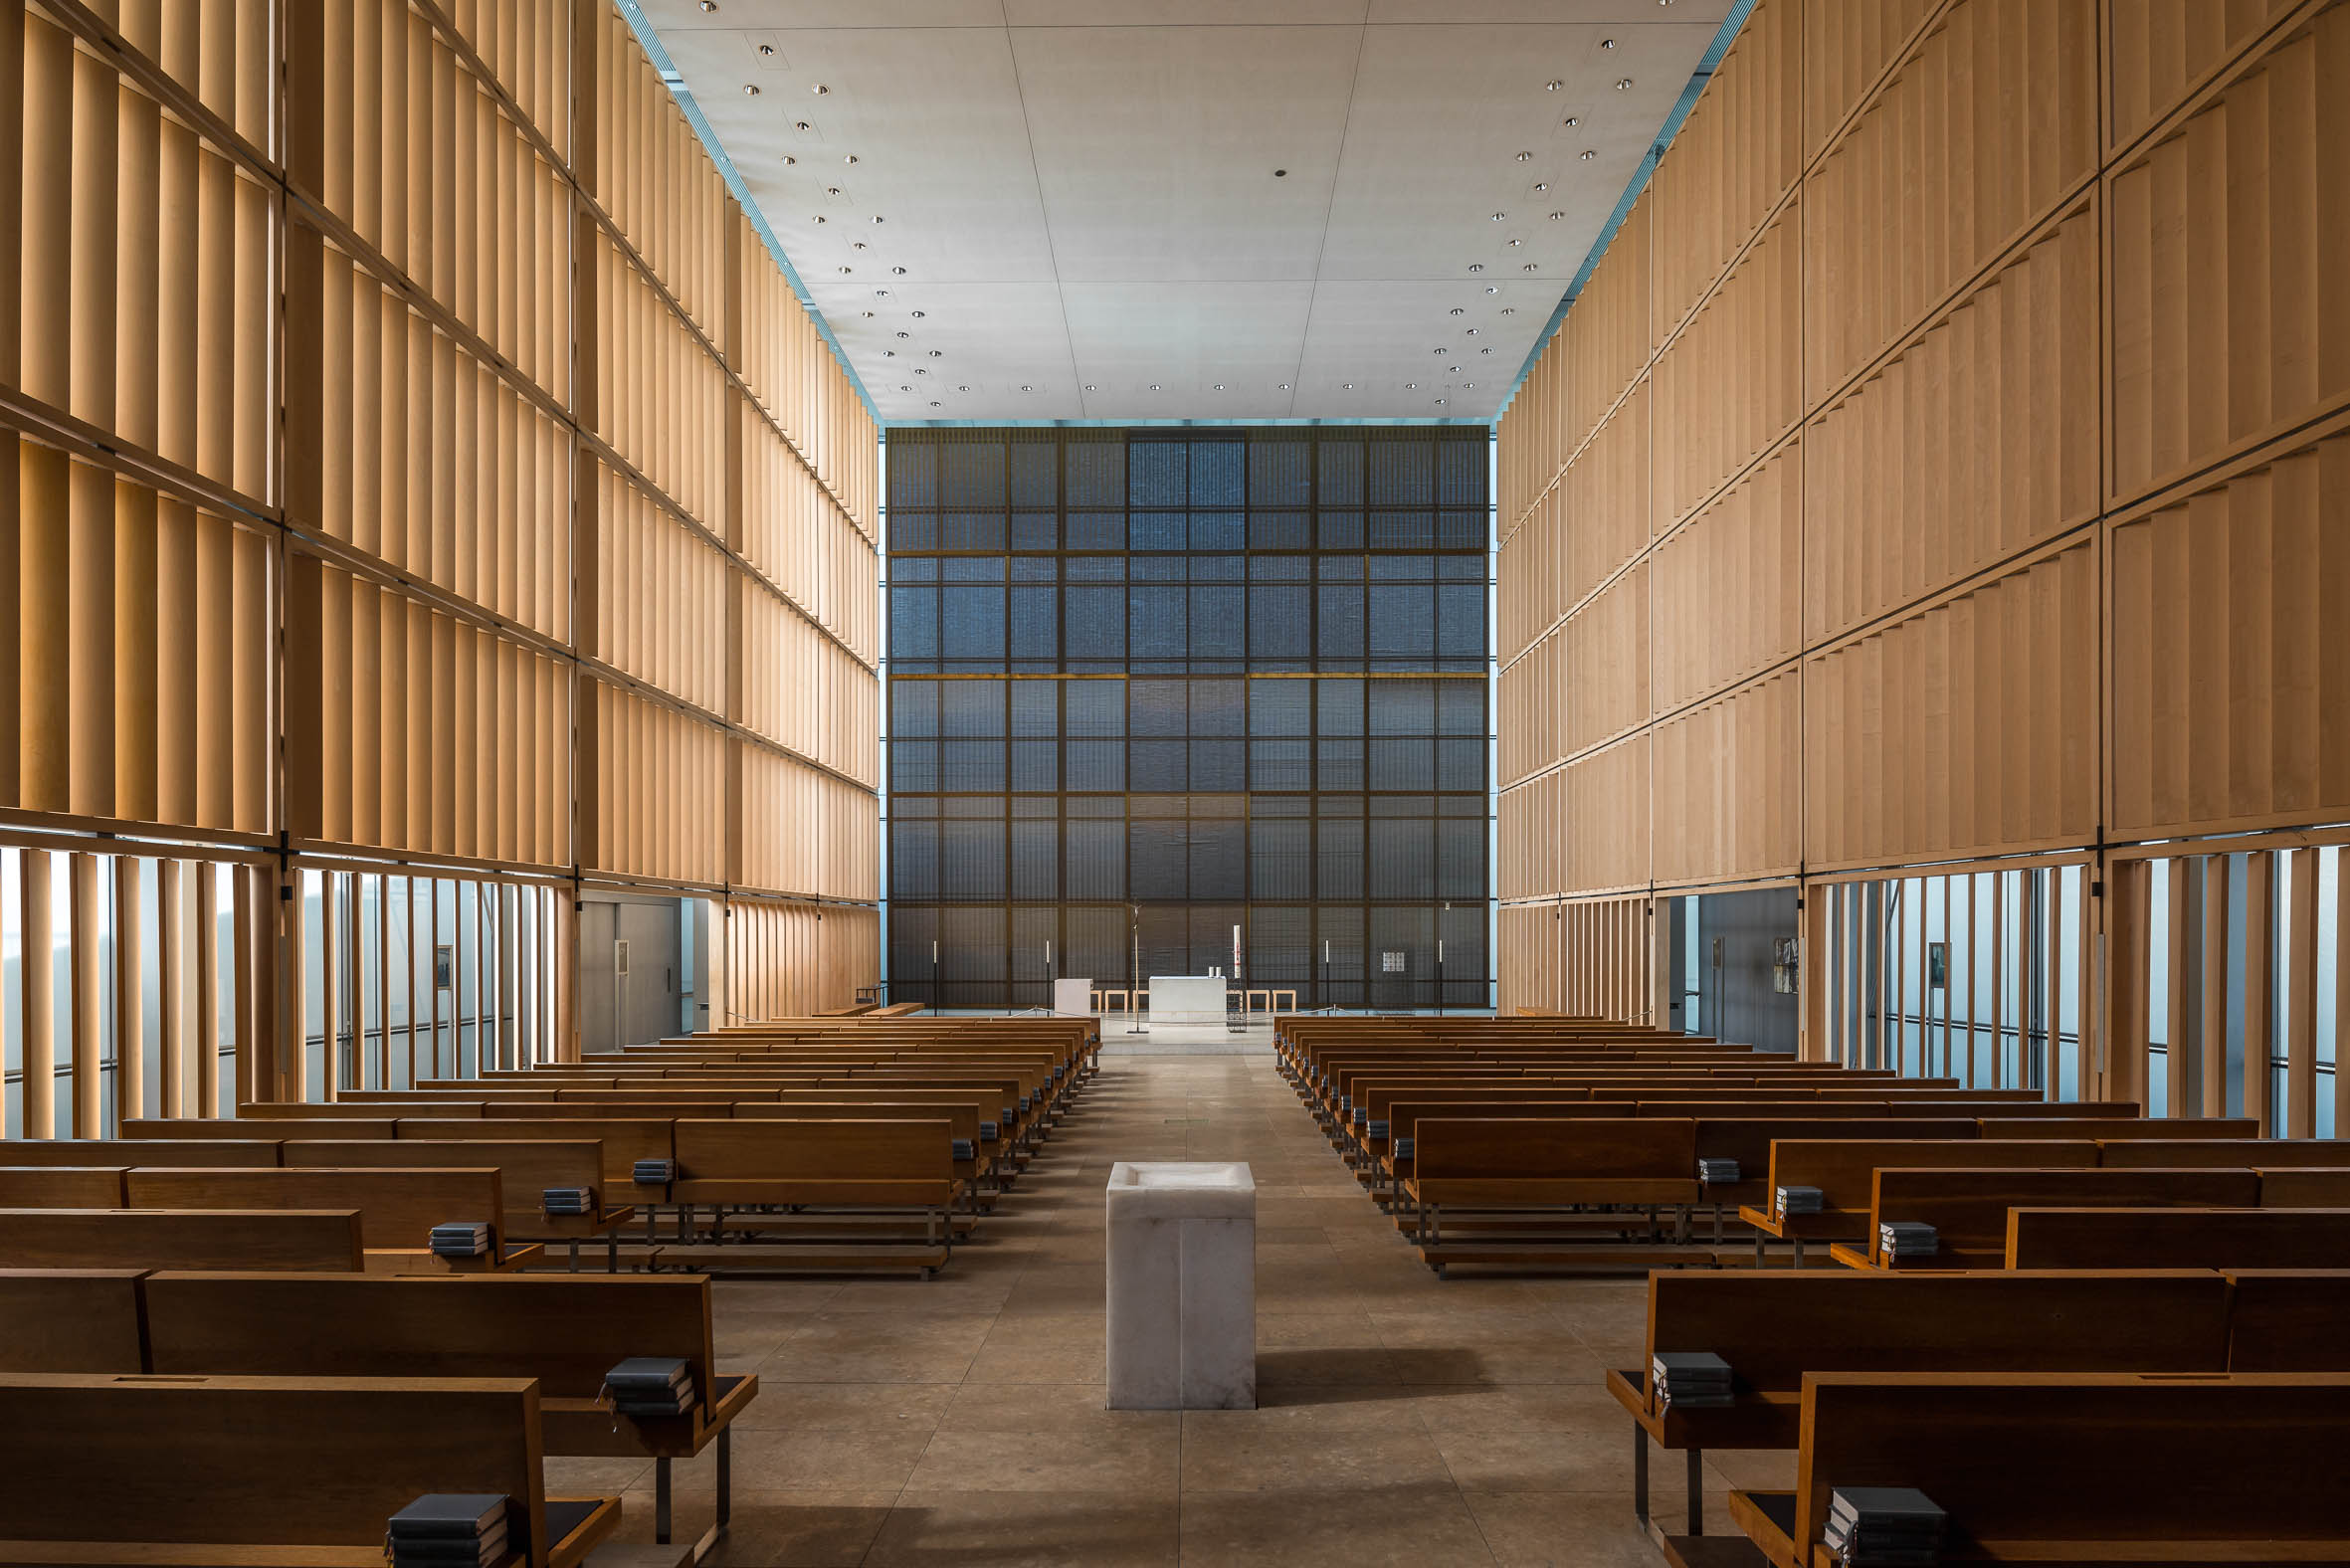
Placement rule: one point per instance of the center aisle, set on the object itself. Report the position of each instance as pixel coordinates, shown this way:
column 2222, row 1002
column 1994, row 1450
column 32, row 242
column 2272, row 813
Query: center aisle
column 1404, row 1420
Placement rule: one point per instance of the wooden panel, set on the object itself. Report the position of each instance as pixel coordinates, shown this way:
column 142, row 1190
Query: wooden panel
column 2225, row 671
column 1604, row 818
column 1729, row 796
column 1975, row 442
column 661, row 594
column 1846, row 48
column 652, row 789
column 1728, row 585
column 1970, row 140
column 660, row 398
column 2161, row 51
column 1730, row 385
column 1732, row 160
column 526, row 47
column 1603, row 499
column 653, row 177
column 1606, row 336
column 1967, row 727
column 799, row 830
column 2224, row 330
column 1604, row 646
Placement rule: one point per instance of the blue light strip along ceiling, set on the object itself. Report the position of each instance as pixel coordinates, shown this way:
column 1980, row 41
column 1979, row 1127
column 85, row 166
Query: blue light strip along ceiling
column 733, row 178
column 1640, row 182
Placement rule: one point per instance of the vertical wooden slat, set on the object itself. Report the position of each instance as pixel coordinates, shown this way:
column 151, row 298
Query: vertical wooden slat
column 2214, row 1034
column 2260, row 985
column 2300, row 1072
column 38, row 971
column 2052, row 1065
column 1998, row 978
column 208, row 988
column 292, row 1036
column 2129, row 936
column 2176, row 1091
column 171, row 986
column 130, row 1036
column 87, row 989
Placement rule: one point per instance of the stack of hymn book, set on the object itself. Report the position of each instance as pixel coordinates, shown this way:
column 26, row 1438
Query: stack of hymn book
column 1884, row 1526
column 1691, row 1379
column 1799, row 1200
column 442, row 1528
column 1717, row 1172
column 461, row 1239
column 651, row 1386
column 655, row 1173
column 1908, row 1238
column 568, row 1199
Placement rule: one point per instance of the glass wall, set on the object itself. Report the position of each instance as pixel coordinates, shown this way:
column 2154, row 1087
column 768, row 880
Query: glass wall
column 1149, row 686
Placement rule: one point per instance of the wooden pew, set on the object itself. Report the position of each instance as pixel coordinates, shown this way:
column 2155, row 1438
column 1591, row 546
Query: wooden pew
column 1969, row 1208
column 1773, row 1326
column 2061, row 1238
column 2300, row 1188
column 2289, row 1320
column 2178, row 1153
column 397, row 1208
column 2118, row 1129
column 246, row 1151
column 1489, row 1167
column 527, row 1168
column 69, row 1321
column 565, row 1332
column 60, row 1186
column 2072, row 1468
column 98, row 1468
column 1746, row 1135
column 1844, row 1171
column 310, row 1240
column 276, row 1128
column 850, row 1168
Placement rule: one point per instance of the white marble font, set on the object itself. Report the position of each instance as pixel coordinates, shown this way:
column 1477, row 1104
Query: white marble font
column 1181, row 1324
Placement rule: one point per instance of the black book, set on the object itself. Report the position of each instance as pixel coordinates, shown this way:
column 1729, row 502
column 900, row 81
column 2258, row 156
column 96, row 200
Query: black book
column 652, row 1173
column 450, row 1515
column 424, row 1550
column 1717, row 1171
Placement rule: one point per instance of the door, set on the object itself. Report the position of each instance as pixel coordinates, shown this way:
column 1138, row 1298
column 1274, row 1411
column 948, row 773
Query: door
column 631, row 967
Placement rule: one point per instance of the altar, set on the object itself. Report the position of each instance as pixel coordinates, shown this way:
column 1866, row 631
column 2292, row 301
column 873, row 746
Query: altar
column 1187, row 998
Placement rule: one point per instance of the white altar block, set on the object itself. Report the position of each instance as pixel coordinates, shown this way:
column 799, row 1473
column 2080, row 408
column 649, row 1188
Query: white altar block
column 1187, row 998
column 1074, row 996
column 1181, row 1324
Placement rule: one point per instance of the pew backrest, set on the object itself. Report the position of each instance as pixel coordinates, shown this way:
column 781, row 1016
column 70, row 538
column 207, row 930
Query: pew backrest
column 1969, row 1207
column 2177, row 1238
column 313, row 1240
column 398, row 1207
column 60, row 1186
column 2289, row 1320
column 69, row 1321
column 1844, row 1169
column 246, row 1151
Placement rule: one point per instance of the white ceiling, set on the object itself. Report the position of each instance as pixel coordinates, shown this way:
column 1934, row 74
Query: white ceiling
column 1083, row 199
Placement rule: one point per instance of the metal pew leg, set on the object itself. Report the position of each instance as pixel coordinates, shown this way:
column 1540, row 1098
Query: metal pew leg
column 1640, row 1473
column 575, row 1265
column 1697, row 1491
column 660, row 1501
column 717, row 1531
column 612, row 1250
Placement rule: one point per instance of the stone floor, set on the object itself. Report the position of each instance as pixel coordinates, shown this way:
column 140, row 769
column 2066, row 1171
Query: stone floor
column 1404, row 1420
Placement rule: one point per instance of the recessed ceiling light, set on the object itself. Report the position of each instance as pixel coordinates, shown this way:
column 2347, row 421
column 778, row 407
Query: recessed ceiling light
column 877, row 218
column 832, row 190
column 1452, row 370
column 1457, row 310
column 1622, row 83
column 1280, row 174
column 820, row 89
column 1472, row 331
column 850, row 160
column 1028, row 389
column 1589, row 153
column 936, row 405
column 750, row 90
column 1528, row 267
column 869, row 316
column 919, row 371
column 1606, row 43
column 901, row 335
column 962, row 389
column 858, row 244
column 1525, row 157
column 1347, row 386
column 820, row 218
column 1557, row 216
column 1513, row 245
column 1285, row 386
column 937, row 354
column 1090, row 386
column 789, row 161
column 1552, row 86
column 1411, row 386
column 898, row 271
column 917, row 315
column 801, row 124
column 1439, row 350
column 709, row 5
column 906, row 389
column 1494, row 288
column 1439, row 402
column 1497, row 216
column 1219, row 386
column 766, row 50
column 846, row 272
column 880, row 293
column 1470, row 385
column 1572, row 119
column 1542, row 185
column 1485, row 350
column 888, row 354
column 1507, row 309
column 1476, row 266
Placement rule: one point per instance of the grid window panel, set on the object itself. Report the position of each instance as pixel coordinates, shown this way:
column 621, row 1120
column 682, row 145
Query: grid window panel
column 1193, row 681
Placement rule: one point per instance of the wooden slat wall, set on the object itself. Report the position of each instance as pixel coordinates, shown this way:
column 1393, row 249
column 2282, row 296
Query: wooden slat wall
column 1981, row 474
column 392, row 386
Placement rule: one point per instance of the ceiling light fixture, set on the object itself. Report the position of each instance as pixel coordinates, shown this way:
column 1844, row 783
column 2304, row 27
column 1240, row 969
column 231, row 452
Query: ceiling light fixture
column 917, row 315
column 820, row 89
column 832, row 190
column 898, row 271
column 937, row 354
column 801, row 124
column 1090, row 386
column 1411, row 386
column 750, row 90
column 820, row 218
column 1494, row 288
column 1154, row 386
column 789, row 161
column 936, row 405
column 869, row 316
column 1529, row 266
column 1028, row 389
column 1542, row 185
column 1552, row 86
column 850, row 160
column 880, row 293
column 1572, row 119
column 1507, row 309
column 1622, row 82
column 1476, row 266
column 877, row 218
column 766, row 50
column 1219, row 386
column 901, row 335
column 1347, row 386
column 1285, row 386
column 962, row 389
column 1280, row 174
column 1606, row 43
column 1457, row 310
column 1525, row 157
column 846, row 272
column 906, row 389
column 1557, row 216
column 1470, row 385
column 1488, row 350
column 1589, row 154
column 1439, row 350
column 1513, row 245
column 1497, row 216
column 858, row 244
column 709, row 5
column 1472, row 331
